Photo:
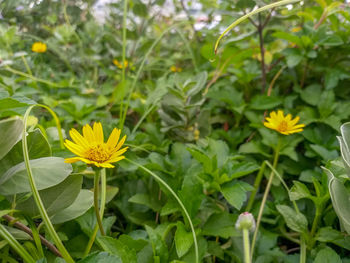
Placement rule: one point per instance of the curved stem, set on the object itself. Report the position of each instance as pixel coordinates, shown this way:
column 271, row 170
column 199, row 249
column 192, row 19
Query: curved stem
column 160, row 180
column 256, row 186
column 266, row 193
column 36, row 196
column 102, row 208
column 15, row 245
column 96, row 194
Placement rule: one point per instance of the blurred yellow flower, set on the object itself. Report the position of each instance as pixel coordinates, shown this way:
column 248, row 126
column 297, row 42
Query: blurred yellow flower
column 283, row 124
column 296, row 29
column 119, row 65
column 39, row 47
column 175, row 69
column 91, row 148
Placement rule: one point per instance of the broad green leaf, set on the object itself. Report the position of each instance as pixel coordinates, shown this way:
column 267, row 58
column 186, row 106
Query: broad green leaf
column 101, row 257
column 235, row 193
column 161, row 253
column 55, row 198
column 220, row 224
column 295, row 221
column 118, row 248
column 47, row 172
column 147, row 200
column 10, row 132
column 183, row 239
column 327, row 255
column 81, row 204
column 38, row 147
column 264, row 102
column 299, row 191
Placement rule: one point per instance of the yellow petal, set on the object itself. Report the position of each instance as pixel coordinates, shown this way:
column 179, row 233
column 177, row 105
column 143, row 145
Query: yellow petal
column 116, row 154
column 294, row 121
column 113, row 138
column 106, row 165
column 88, row 133
column 116, row 159
column 120, row 144
column 98, row 132
column 280, row 116
column 78, row 138
column 288, row 117
column 270, row 125
column 74, row 148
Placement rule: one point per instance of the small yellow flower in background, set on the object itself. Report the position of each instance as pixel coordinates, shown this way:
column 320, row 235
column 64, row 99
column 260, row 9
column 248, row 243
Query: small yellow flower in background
column 119, row 65
column 283, row 124
column 91, row 148
column 175, row 69
column 296, row 29
column 39, row 47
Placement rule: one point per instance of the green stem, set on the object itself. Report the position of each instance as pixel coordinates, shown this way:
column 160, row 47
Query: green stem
column 17, row 72
column 256, row 186
column 36, row 196
column 102, row 208
column 241, row 19
column 246, row 245
column 160, row 180
column 15, row 245
column 96, row 194
column 302, row 250
column 266, row 193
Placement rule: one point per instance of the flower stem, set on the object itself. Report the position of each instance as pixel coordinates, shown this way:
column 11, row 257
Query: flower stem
column 96, row 195
column 102, row 208
column 266, row 193
column 302, row 250
column 256, row 187
column 36, row 196
column 15, row 245
column 246, row 245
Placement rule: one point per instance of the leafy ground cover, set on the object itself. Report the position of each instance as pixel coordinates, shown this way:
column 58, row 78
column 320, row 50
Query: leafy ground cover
column 148, row 137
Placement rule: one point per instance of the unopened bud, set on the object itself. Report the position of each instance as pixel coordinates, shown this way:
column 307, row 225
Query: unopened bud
column 245, row 221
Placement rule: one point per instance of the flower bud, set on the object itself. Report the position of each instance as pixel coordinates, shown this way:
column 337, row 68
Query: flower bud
column 245, row 221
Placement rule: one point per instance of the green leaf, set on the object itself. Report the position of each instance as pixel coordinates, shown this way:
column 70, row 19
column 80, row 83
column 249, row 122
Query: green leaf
column 147, row 200
column 220, row 224
column 10, row 132
column 47, row 172
column 295, row 221
column 299, row 191
column 101, row 257
column 81, row 204
column 55, row 198
column 160, row 248
column 118, row 248
column 264, row 102
column 327, row 255
column 242, row 169
column 38, row 147
column 183, row 239
column 235, row 193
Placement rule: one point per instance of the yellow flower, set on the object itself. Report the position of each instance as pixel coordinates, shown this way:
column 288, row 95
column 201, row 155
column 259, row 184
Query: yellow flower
column 39, row 47
column 175, row 69
column 296, row 29
column 91, row 148
column 283, row 124
column 119, row 65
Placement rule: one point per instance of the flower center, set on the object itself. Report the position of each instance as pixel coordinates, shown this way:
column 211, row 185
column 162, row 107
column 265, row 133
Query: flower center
column 98, row 153
column 283, row 126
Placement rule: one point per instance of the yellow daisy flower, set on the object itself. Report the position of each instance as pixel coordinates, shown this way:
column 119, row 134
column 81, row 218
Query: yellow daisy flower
column 283, row 124
column 39, row 47
column 91, row 148
column 119, row 65
column 175, row 69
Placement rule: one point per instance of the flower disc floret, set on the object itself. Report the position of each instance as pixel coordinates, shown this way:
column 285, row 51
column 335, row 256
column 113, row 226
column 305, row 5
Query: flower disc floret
column 91, row 148
column 39, row 47
column 283, row 124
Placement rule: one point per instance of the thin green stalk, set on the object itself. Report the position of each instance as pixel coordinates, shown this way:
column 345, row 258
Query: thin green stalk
column 302, row 250
column 241, row 19
column 102, row 209
column 142, row 118
column 16, row 245
column 26, row 65
column 96, row 194
column 246, row 245
column 256, row 186
column 266, row 193
column 35, row 192
column 20, row 73
column 133, row 85
column 160, row 180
